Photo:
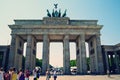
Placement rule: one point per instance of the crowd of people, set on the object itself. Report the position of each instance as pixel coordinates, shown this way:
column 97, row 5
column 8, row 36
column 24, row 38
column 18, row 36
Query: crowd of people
column 12, row 74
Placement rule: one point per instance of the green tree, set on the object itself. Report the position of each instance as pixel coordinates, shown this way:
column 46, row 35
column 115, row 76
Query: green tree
column 72, row 63
column 39, row 62
column 88, row 63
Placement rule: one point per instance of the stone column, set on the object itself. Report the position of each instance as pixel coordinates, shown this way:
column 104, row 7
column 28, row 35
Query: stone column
column 28, row 53
column 31, row 59
column 119, row 61
column 21, row 48
column 45, row 55
column 111, row 60
column 116, row 62
column 33, row 56
column 81, row 55
column 4, row 58
column 78, row 57
column 16, row 61
column 99, row 55
column 19, row 53
column 66, row 55
column 107, row 62
column 12, row 51
column 83, row 52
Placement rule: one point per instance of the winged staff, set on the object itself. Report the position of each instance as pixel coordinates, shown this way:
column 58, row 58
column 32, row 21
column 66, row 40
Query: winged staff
column 55, row 6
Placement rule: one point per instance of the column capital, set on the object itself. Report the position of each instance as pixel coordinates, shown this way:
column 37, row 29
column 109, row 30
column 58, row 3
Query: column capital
column 82, row 37
column 66, row 36
column 13, row 36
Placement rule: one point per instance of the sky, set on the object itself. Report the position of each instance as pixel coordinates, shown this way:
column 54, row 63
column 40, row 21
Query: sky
column 107, row 12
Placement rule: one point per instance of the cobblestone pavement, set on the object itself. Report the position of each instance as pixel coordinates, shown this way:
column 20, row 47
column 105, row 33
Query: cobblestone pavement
column 82, row 77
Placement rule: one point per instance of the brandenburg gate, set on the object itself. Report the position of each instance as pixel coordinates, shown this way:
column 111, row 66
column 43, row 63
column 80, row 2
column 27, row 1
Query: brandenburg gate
column 56, row 28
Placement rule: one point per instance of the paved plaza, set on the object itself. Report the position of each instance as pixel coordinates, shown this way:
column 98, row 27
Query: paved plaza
column 82, row 77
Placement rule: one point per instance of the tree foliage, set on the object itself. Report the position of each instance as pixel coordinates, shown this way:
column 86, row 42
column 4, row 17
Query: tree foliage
column 88, row 63
column 39, row 62
column 72, row 63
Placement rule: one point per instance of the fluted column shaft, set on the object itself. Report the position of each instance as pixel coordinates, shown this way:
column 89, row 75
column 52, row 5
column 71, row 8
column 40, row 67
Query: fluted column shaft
column 45, row 55
column 66, row 55
column 33, row 53
column 116, row 62
column 12, row 51
column 83, row 52
column 28, row 53
column 81, row 55
column 99, row 65
column 107, row 58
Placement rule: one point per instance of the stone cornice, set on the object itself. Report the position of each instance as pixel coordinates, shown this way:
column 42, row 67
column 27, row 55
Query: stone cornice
column 54, row 27
column 55, row 21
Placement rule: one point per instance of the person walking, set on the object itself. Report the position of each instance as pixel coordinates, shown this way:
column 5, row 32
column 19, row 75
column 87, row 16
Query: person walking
column 55, row 75
column 10, row 72
column 108, row 73
column 35, row 74
column 21, row 75
column 38, row 73
column 7, row 76
column 1, row 74
column 27, row 74
column 48, row 74
column 14, row 74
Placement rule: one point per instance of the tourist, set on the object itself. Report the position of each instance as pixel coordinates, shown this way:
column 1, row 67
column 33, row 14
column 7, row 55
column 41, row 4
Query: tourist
column 1, row 74
column 108, row 73
column 21, row 75
column 48, row 74
column 14, row 74
column 38, row 73
column 54, row 75
column 27, row 74
column 7, row 76
column 35, row 74
column 10, row 72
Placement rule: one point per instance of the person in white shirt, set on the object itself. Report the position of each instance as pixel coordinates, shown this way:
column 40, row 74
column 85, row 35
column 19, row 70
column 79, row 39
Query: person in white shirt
column 55, row 75
column 1, row 74
column 35, row 74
